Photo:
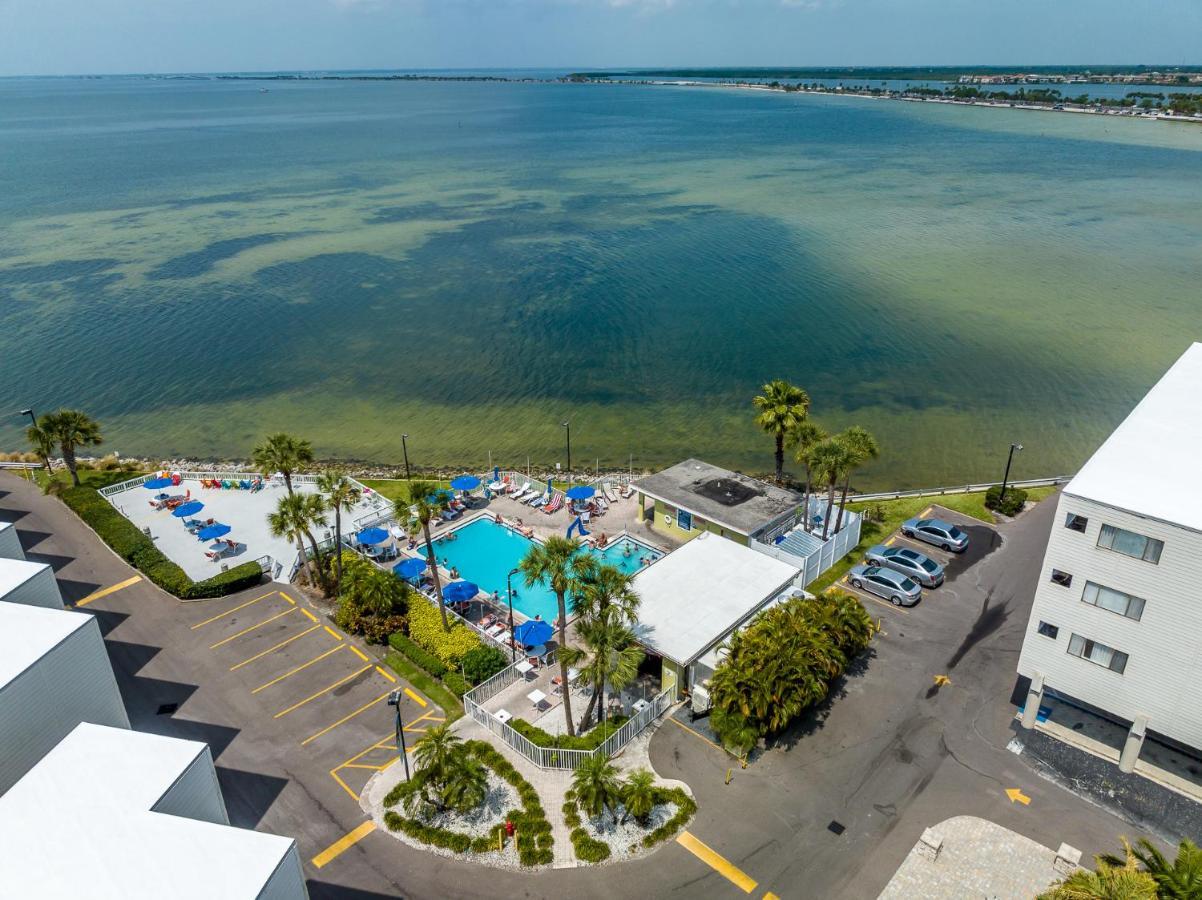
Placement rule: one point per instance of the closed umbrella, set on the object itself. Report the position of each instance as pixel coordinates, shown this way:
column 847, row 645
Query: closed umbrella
column 533, row 632
column 581, row 492
column 372, row 536
column 155, row 483
column 459, row 591
column 410, row 568
column 214, row 531
column 191, row 508
column 466, row 483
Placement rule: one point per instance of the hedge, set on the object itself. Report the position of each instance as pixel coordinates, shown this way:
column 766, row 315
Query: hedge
column 1011, row 506
column 685, row 807
column 425, row 627
column 483, row 662
column 454, row 682
column 589, row 849
column 593, row 739
column 128, row 542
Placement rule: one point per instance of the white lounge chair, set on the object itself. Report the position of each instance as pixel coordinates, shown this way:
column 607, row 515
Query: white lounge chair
column 607, row 491
column 526, row 495
column 627, row 492
column 516, row 492
column 534, row 501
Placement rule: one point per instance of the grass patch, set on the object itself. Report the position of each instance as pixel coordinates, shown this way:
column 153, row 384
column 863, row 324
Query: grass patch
column 427, row 684
column 395, row 488
column 93, row 478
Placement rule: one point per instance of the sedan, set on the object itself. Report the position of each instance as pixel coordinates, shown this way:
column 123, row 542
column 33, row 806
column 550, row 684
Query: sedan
column 895, row 587
column 919, row 567
column 942, row 534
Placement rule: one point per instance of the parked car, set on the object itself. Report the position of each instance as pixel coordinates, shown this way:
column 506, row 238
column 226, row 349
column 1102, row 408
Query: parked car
column 918, row 566
column 942, row 534
column 895, row 587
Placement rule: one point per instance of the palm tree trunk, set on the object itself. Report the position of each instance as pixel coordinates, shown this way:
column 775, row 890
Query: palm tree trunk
column 433, row 565
column 338, row 544
column 588, row 710
column 806, row 507
column 843, row 503
column 69, row 459
column 563, row 666
column 830, row 505
column 325, row 588
column 288, row 481
column 780, row 457
column 300, row 546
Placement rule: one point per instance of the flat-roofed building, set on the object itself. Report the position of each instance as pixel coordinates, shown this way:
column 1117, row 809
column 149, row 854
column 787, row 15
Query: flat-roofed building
column 30, row 583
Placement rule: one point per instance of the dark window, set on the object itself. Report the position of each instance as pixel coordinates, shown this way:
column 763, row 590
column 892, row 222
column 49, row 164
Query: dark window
column 1064, row 579
column 1048, row 630
column 1075, row 522
column 1129, row 543
column 1115, row 601
column 1098, row 654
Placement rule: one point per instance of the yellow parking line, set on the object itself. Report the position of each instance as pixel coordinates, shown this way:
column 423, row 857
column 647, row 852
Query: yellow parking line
column 889, row 543
column 334, row 634
column 234, row 610
column 317, row 658
column 291, row 602
column 864, row 595
column 926, row 512
column 416, row 699
column 252, row 628
column 359, row 653
column 276, row 647
column 771, row 896
column 120, row 585
column 386, row 674
column 717, row 862
column 322, row 691
column 312, row 618
column 367, row 705
column 345, row 842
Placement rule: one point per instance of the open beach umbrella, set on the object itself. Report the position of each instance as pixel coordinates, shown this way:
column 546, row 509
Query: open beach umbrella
column 581, row 492
column 410, row 568
column 533, row 632
column 191, row 508
column 214, row 531
column 459, row 591
column 466, row 483
column 155, row 483
column 372, row 536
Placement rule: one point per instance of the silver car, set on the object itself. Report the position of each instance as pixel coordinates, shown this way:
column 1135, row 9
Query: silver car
column 895, row 587
column 918, row 566
column 942, row 534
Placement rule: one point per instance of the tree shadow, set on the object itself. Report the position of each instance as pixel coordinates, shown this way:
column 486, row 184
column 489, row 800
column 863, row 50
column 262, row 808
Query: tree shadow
column 813, row 719
column 248, row 795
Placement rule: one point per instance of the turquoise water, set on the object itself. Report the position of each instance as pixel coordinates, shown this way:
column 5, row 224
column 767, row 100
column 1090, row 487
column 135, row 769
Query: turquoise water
column 485, row 552
column 198, row 263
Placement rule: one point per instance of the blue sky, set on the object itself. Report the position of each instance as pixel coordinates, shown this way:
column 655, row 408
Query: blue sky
column 104, row 36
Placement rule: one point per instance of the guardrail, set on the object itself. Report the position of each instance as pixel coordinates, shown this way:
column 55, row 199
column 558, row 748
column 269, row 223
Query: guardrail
column 20, row 465
column 960, row 489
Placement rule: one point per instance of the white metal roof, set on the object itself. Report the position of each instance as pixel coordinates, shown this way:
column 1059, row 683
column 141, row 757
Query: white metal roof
column 27, row 633
column 1150, row 464
column 104, row 781
column 697, row 594
column 15, row 572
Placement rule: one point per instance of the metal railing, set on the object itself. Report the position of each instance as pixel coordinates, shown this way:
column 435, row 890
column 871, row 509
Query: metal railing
column 961, row 489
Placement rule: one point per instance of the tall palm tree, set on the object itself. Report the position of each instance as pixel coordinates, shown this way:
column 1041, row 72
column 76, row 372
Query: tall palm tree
column 426, row 502
column 379, row 593
column 282, row 453
column 43, row 444
column 609, row 656
column 861, row 447
column 782, row 406
column 829, row 461
column 803, row 439
column 556, row 562
column 1124, row 881
column 289, row 521
column 71, row 428
column 340, row 495
column 1179, row 880
column 597, row 785
column 602, row 587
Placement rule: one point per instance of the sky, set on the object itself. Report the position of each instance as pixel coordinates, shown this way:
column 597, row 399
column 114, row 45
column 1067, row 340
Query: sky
column 56, row 37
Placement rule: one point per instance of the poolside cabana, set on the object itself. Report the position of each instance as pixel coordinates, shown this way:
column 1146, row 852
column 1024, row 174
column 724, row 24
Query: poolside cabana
column 696, row 596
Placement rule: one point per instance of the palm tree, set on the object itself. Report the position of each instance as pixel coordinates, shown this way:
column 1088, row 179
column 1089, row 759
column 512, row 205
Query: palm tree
column 43, row 444
column 602, row 587
column 289, row 521
column 782, row 407
column 556, row 562
column 1178, row 880
column 829, row 461
column 341, row 495
column 379, row 593
column 427, row 502
column 638, row 795
column 861, row 447
column 597, row 786
column 71, row 428
column 447, row 775
column 1110, row 882
column 609, row 655
column 804, row 438
column 282, row 453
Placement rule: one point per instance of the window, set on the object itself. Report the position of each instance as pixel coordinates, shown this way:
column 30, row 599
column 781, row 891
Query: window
column 1064, row 579
column 1098, row 654
column 1115, row 601
column 684, row 520
column 1074, row 522
column 1130, row 544
column 1048, row 630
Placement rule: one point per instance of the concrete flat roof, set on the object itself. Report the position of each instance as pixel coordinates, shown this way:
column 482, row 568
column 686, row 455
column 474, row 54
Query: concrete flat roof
column 105, row 781
column 27, row 633
column 1149, row 464
column 739, row 503
column 697, row 594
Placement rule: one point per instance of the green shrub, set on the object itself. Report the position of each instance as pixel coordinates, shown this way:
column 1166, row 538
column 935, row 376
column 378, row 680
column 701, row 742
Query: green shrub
column 430, row 663
column 1011, row 506
column 587, row 848
column 482, row 663
column 571, row 815
column 425, row 628
column 591, row 740
column 685, row 808
column 375, row 629
column 456, row 683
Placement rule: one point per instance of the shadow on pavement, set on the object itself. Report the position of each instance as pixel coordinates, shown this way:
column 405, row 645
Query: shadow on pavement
column 248, row 795
column 320, row 890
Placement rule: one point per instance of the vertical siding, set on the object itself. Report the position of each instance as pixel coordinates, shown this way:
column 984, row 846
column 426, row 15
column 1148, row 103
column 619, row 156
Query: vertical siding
column 1164, row 648
column 38, row 587
column 287, row 882
column 196, row 793
column 10, row 544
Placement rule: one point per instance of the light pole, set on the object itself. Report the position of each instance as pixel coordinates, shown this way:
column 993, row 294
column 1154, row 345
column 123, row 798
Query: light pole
column 1006, row 477
column 405, row 450
column 34, row 419
column 568, row 429
column 513, row 650
column 394, row 700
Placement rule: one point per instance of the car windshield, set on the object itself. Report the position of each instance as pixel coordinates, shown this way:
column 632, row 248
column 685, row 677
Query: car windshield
column 908, row 585
column 930, row 565
column 955, row 532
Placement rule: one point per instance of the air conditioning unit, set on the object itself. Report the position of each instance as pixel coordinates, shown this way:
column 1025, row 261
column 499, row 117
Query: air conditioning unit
column 700, row 700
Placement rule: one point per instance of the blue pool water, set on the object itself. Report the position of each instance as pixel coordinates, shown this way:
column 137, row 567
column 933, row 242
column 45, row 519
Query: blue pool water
column 485, row 552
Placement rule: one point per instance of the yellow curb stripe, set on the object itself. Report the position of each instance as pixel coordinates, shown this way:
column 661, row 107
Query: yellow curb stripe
column 386, row 674
column 416, row 699
column 367, row 705
column 119, row 586
column 359, row 653
column 698, row 734
column 342, row 784
column 334, row 634
column 234, row 610
column 312, row 618
column 322, row 691
column 291, row 602
column 267, row 621
column 344, row 843
column 926, row 512
column 299, row 668
column 276, row 647
column 717, row 862
column 771, row 896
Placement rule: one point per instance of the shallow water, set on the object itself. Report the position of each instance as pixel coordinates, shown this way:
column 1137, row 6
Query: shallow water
column 472, row 264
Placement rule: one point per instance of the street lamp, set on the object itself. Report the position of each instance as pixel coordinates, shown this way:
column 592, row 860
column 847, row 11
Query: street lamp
column 405, row 450
column 513, row 650
column 568, row 429
column 1006, row 477
column 394, row 700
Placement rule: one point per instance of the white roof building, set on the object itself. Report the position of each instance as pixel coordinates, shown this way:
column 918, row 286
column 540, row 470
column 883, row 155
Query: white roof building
column 10, row 544
column 147, row 820
column 27, row 582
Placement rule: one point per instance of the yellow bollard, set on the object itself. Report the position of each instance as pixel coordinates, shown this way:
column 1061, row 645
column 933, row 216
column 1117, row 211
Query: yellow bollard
column 729, row 774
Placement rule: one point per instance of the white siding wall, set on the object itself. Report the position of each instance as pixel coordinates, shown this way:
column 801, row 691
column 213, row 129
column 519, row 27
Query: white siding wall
column 30, row 583
column 10, row 545
column 1164, row 668
column 72, row 683
column 196, row 793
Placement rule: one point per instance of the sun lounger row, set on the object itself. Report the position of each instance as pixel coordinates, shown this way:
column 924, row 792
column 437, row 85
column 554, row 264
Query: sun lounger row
column 232, row 484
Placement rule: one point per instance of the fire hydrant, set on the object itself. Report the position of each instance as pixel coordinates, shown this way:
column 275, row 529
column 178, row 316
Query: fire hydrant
column 509, row 828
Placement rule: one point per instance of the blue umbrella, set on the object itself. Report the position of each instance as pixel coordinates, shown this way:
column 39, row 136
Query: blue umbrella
column 372, row 536
column 581, row 492
column 191, row 508
column 410, row 568
column 466, row 483
column 534, row 632
column 496, row 473
column 155, row 483
column 459, row 591
column 214, row 531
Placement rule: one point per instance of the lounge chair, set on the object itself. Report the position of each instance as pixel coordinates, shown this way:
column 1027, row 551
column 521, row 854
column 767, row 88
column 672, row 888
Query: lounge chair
column 516, row 492
column 554, row 504
column 607, row 491
column 540, row 500
column 526, row 494
column 627, row 492
column 530, row 501
column 244, row 484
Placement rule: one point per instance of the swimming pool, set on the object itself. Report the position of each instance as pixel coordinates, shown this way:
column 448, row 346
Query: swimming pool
column 485, row 552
